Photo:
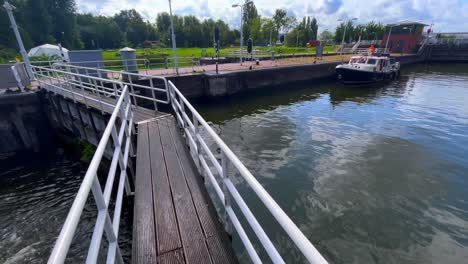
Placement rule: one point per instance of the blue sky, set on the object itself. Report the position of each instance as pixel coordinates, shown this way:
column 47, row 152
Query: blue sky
column 447, row 15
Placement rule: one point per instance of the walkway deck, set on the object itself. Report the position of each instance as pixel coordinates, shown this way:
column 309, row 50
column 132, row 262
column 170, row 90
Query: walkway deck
column 174, row 219
column 140, row 113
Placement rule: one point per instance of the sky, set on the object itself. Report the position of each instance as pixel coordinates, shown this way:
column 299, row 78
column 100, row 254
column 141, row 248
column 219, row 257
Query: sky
column 446, row 15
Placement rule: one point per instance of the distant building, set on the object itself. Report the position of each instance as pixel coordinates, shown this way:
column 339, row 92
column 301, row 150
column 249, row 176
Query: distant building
column 405, row 36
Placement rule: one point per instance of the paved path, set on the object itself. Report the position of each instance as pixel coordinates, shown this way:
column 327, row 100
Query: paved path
column 229, row 67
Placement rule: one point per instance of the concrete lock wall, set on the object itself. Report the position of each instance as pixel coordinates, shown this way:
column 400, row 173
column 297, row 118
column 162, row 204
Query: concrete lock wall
column 74, row 119
column 29, row 121
column 7, row 78
column 23, row 123
column 224, row 84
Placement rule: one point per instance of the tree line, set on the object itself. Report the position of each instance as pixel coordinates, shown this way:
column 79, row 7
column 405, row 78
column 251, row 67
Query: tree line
column 57, row 21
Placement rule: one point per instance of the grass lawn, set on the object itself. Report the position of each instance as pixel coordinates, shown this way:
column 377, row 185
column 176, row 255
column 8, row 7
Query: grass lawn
column 208, row 52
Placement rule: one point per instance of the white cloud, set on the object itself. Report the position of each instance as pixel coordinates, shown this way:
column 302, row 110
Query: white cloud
column 447, row 15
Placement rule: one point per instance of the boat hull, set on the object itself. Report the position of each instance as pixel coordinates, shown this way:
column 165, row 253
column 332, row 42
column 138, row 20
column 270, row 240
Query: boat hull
column 352, row 76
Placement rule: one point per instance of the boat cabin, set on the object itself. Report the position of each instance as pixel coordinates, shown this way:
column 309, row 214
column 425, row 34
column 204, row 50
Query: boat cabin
column 372, row 63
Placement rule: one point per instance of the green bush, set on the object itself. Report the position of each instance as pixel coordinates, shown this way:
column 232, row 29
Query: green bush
column 7, row 55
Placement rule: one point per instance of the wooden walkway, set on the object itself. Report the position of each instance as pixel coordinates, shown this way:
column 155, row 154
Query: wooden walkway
column 174, row 219
column 140, row 113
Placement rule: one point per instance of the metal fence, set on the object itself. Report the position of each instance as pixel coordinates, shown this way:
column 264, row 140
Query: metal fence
column 362, row 50
column 102, row 83
column 105, row 222
column 192, row 123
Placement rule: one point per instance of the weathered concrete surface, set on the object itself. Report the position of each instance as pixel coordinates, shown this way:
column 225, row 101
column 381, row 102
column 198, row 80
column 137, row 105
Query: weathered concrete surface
column 23, row 123
column 67, row 117
column 228, row 83
column 448, row 53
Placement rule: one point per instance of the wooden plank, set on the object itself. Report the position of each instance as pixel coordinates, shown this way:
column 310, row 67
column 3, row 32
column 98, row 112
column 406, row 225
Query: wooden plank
column 218, row 241
column 207, row 213
column 172, row 257
column 167, row 232
column 193, row 239
column 144, row 240
column 220, row 248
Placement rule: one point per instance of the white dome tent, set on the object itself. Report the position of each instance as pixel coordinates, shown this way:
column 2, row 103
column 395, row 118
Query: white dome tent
column 48, row 50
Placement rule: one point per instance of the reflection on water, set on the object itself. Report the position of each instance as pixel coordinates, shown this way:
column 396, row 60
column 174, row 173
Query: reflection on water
column 371, row 175
column 36, row 193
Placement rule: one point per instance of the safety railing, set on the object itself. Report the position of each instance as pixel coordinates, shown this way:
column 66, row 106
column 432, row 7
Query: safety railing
column 192, row 123
column 255, row 54
column 120, row 136
column 362, row 50
column 137, row 64
column 100, row 84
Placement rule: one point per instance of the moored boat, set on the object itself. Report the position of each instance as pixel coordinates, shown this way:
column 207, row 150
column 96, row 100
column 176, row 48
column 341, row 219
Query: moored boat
column 366, row 69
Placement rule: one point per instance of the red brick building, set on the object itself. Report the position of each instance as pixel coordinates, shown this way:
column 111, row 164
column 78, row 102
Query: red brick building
column 405, row 36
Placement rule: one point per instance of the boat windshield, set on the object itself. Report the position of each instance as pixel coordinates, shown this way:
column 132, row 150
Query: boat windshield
column 357, row 60
column 371, row 61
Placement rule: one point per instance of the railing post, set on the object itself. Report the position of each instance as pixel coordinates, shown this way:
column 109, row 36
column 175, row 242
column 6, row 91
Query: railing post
column 153, row 94
column 132, row 89
column 182, row 111
column 197, row 143
column 116, row 94
column 227, row 196
column 98, row 93
column 82, row 89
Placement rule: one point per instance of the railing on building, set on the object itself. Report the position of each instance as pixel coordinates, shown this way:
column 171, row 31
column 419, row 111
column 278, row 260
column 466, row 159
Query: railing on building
column 64, row 78
column 452, row 38
column 362, row 50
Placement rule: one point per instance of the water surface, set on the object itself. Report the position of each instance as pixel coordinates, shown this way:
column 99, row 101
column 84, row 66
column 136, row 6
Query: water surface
column 370, row 175
column 36, row 193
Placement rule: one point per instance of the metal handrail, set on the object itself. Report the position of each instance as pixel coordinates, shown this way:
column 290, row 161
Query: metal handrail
column 228, row 193
column 104, row 223
column 82, row 78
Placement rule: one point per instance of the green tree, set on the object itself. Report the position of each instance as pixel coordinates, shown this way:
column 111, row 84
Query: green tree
column 313, row 29
column 326, row 36
column 64, row 30
column 99, row 32
column 163, row 27
column 249, row 15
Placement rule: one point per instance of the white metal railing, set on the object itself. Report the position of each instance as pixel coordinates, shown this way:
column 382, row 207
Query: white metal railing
column 105, row 222
column 167, row 62
column 246, row 55
column 362, row 50
column 98, row 84
column 192, row 122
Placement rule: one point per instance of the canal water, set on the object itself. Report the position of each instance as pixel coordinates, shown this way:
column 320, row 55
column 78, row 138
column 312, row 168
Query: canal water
column 370, row 175
column 36, row 192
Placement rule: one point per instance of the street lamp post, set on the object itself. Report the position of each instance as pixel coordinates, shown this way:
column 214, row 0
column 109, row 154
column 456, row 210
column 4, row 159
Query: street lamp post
column 242, row 22
column 174, row 47
column 9, row 8
column 344, row 33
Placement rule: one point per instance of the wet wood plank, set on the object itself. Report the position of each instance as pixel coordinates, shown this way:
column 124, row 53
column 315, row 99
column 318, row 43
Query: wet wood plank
column 172, row 257
column 217, row 239
column 144, row 239
column 192, row 236
column 167, row 231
